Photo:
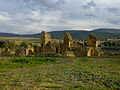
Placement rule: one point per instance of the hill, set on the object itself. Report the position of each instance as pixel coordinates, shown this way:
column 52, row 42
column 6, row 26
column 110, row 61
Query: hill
column 102, row 33
column 82, row 34
column 8, row 35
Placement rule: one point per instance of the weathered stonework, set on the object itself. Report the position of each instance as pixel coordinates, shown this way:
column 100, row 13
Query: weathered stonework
column 97, row 43
column 29, row 51
column 92, row 52
column 69, row 53
column 92, row 44
column 66, row 47
column 7, row 52
column 45, row 38
column 45, row 42
column 67, row 41
column 91, row 41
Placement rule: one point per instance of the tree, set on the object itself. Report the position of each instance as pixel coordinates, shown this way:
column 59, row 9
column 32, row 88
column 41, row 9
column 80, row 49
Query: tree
column 7, row 44
column 24, row 45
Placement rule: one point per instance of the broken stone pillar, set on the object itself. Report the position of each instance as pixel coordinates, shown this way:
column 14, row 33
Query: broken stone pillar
column 97, row 43
column 91, row 41
column 67, row 40
column 45, row 38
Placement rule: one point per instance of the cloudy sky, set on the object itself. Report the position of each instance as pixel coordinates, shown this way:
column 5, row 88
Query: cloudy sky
column 34, row 16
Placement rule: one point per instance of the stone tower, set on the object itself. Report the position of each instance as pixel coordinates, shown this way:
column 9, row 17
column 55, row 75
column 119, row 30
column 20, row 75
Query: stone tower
column 92, row 44
column 45, row 38
column 67, row 40
column 91, row 41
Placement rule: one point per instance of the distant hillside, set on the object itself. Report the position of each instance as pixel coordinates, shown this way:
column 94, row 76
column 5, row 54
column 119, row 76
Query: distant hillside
column 8, row 35
column 77, row 34
column 107, row 30
column 107, row 33
column 82, row 34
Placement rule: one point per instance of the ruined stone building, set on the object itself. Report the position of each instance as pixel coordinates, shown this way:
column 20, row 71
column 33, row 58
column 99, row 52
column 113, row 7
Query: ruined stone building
column 92, row 43
column 108, row 47
column 70, row 47
column 47, row 46
column 67, row 47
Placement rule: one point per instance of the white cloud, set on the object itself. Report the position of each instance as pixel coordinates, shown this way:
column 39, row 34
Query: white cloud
column 4, row 18
column 33, row 16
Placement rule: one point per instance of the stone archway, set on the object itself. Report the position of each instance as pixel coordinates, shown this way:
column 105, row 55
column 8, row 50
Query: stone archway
column 92, row 52
column 57, row 50
column 29, row 51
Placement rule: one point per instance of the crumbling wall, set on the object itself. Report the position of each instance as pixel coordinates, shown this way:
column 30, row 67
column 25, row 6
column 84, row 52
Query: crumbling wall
column 98, row 43
column 7, row 52
column 92, row 52
column 80, row 51
column 67, row 41
column 29, row 51
column 45, row 38
column 69, row 53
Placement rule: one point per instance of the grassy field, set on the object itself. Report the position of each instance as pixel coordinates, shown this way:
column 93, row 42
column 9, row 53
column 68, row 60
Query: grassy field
column 20, row 38
column 60, row 73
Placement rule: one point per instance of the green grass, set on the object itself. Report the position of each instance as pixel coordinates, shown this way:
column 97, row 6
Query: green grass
column 64, row 73
column 19, row 62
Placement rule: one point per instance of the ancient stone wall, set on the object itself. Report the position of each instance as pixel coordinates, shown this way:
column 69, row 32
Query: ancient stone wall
column 45, row 38
column 7, row 52
column 80, row 51
column 91, row 41
column 67, row 41
column 69, row 53
column 92, row 52
column 29, row 51
column 66, row 47
column 98, row 43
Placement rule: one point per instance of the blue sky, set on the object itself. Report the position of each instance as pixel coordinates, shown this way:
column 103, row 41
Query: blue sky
column 34, row 16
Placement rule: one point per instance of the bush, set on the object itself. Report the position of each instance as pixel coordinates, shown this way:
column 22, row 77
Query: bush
column 24, row 44
column 7, row 44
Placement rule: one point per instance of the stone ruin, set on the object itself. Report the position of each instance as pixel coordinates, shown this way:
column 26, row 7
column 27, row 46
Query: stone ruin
column 68, row 47
column 92, row 44
column 65, row 47
column 109, row 47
